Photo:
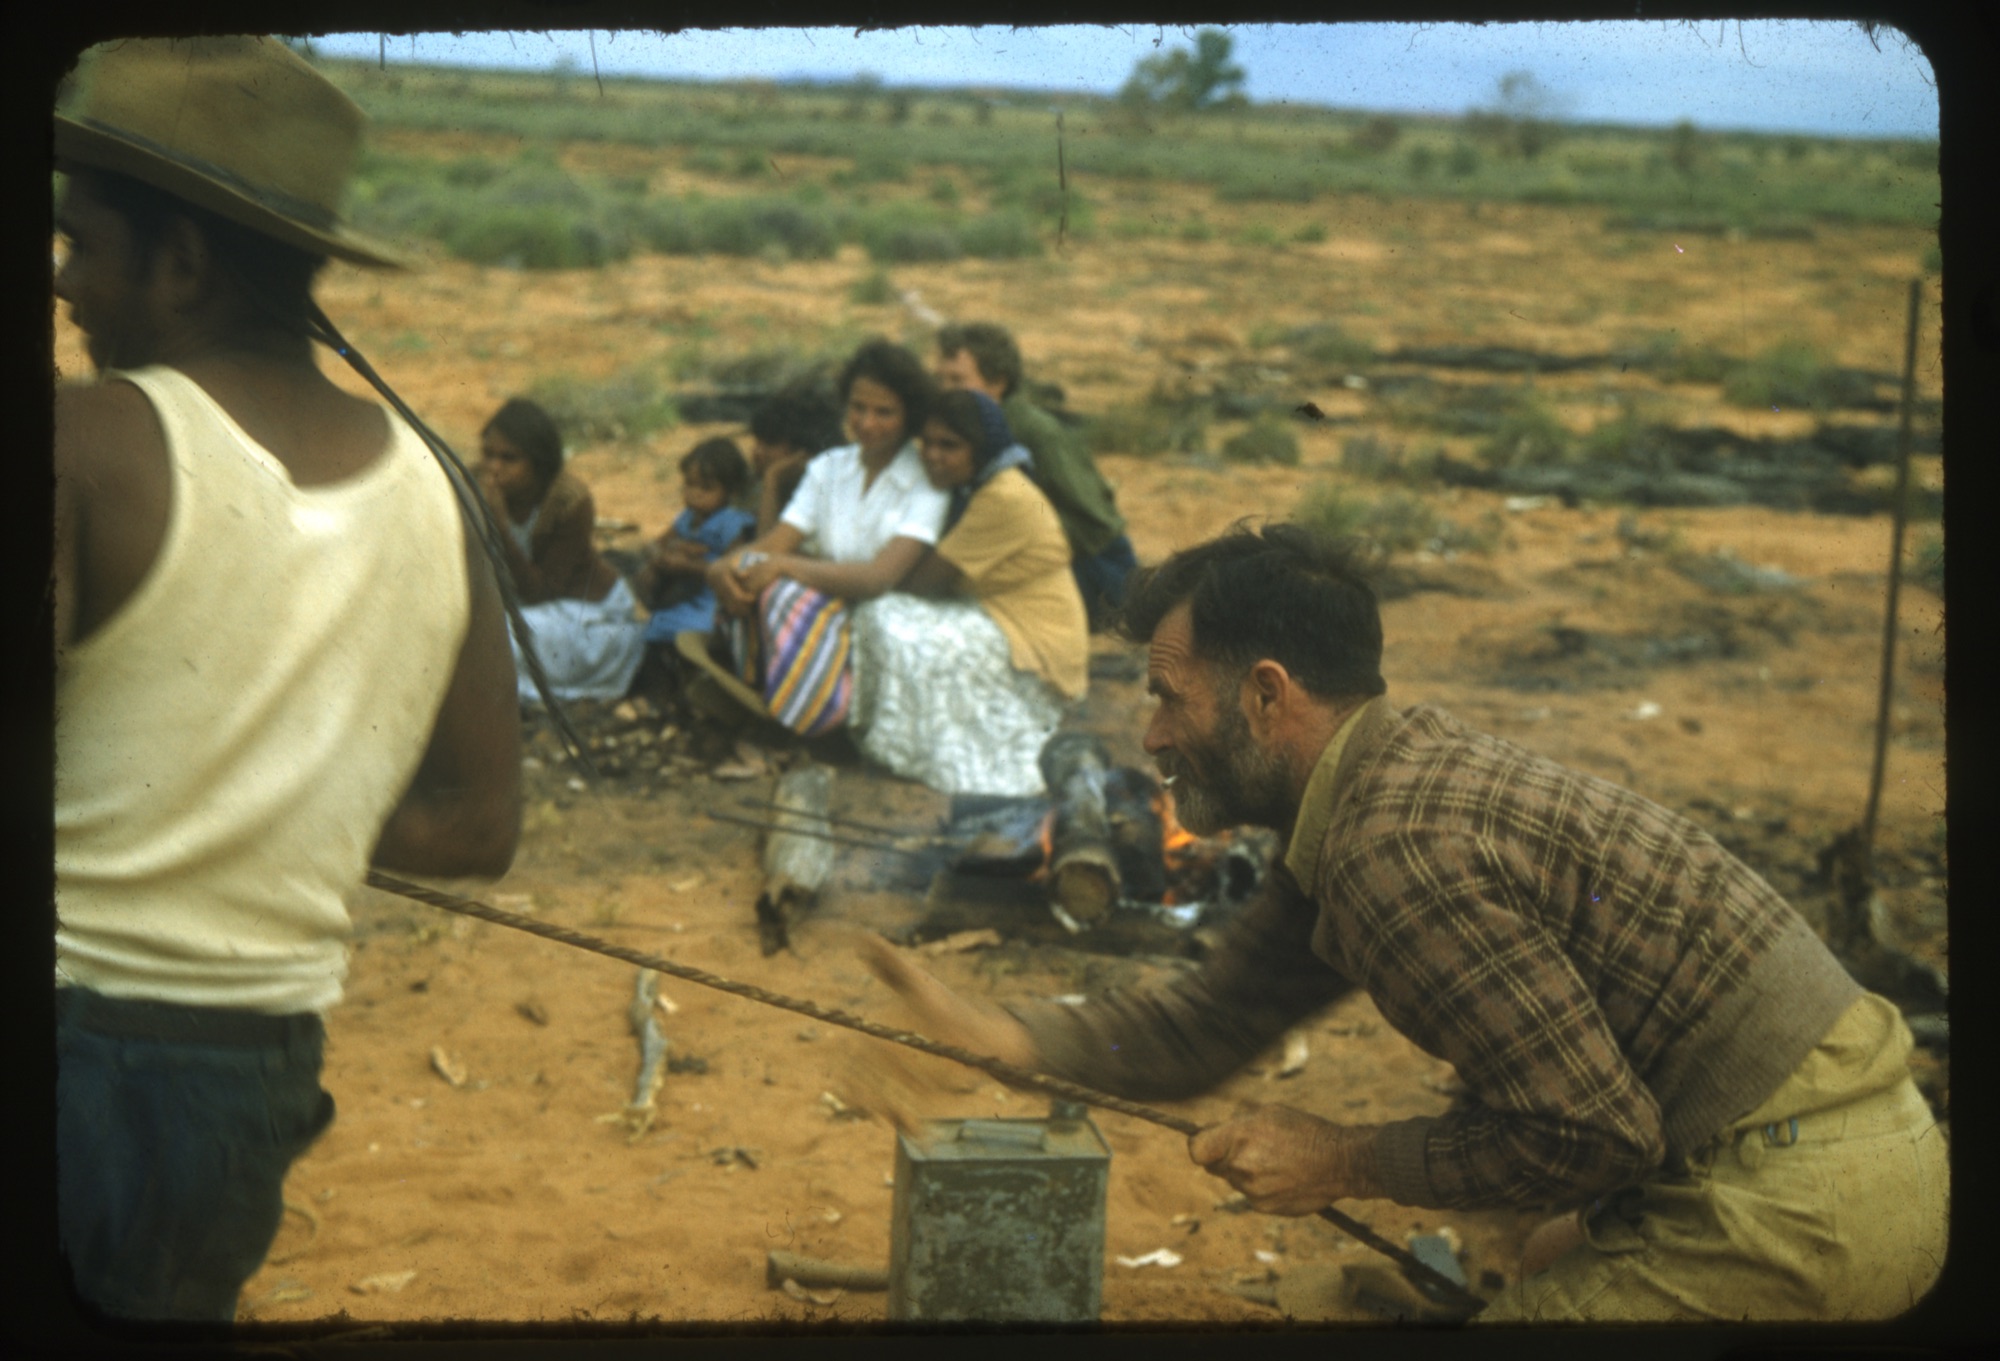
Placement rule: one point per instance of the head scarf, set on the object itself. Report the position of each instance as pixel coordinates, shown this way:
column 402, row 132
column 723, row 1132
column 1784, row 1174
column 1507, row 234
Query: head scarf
column 994, row 449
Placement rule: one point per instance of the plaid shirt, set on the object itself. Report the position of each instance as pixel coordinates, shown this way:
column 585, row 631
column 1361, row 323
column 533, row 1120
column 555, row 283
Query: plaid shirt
column 1612, row 986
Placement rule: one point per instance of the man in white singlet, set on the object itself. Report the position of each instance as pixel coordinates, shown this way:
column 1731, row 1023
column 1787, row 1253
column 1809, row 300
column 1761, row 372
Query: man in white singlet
column 281, row 659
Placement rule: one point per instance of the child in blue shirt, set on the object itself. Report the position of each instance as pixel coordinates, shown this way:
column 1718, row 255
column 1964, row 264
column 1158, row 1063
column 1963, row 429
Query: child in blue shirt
column 673, row 580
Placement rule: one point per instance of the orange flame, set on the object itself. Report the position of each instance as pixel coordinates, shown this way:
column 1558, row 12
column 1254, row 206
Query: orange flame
column 1180, row 849
column 1045, row 837
column 1175, row 840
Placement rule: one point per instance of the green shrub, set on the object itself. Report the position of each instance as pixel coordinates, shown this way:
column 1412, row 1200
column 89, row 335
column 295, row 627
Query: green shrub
column 752, row 226
column 1928, row 571
column 1324, row 342
column 913, row 243
column 1370, row 456
column 1396, row 523
column 1267, row 440
column 706, row 161
column 1678, row 363
column 1529, row 435
column 535, row 236
column 780, row 227
column 1793, row 374
column 1402, row 523
column 777, row 366
column 668, row 227
column 1040, row 195
column 1003, row 235
column 944, row 192
column 875, row 166
column 1258, row 236
column 471, row 172
column 872, row 289
column 1196, row 228
column 1331, row 512
column 1620, row 439
column 627, row 406
column 1462, row 161
column 530, row 214
column 1152, row 427
column 1680, row 222
column 1310, row 235
column 1556, row 186
column 751, row 164
column 1278, row 183
column 1377, row 135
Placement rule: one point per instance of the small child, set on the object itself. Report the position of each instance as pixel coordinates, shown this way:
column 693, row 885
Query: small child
column 672, row 583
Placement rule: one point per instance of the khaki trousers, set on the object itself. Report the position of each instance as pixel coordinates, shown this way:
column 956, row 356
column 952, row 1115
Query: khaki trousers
column 1840, row 1213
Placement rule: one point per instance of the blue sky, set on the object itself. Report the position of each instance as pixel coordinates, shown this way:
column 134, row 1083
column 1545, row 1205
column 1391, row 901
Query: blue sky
column 1781, row 76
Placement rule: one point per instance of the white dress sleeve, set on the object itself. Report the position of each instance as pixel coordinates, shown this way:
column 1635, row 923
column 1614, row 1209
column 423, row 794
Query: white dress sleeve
column 806, row 511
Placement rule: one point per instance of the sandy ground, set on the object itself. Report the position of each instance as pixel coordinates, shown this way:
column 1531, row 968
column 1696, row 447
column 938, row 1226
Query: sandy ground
column 516, row 1193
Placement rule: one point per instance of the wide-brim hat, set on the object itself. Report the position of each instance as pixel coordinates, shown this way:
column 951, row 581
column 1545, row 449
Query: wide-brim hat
column 240, row 126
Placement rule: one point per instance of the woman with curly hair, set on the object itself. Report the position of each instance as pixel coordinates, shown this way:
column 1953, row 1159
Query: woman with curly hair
column 862, row 517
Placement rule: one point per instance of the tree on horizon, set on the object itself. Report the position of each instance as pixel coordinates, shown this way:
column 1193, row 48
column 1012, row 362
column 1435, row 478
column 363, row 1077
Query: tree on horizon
column 1183, row 81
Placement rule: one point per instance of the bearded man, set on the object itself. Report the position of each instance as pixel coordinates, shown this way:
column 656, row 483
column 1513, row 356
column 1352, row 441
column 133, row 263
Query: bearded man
column 1648, row 1035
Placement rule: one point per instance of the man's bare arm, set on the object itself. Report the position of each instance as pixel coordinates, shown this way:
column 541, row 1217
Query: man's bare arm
column 462, row 812
column 114, row 485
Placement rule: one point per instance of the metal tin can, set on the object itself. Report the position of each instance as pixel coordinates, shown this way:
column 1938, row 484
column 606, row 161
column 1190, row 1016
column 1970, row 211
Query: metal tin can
column 999, row 1221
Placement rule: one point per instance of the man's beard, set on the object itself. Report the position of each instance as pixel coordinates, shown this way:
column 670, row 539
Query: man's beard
column 1229, row 781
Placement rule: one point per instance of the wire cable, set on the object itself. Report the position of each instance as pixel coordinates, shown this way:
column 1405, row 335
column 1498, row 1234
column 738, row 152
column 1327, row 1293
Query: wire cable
column 479, row 516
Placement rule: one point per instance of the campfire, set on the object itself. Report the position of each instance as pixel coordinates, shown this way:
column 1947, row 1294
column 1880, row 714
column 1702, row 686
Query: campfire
column 1101, row 853
column 1104, row 840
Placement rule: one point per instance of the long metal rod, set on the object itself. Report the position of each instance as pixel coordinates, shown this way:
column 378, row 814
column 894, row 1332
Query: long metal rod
column 1901, row 510
column 768, row 806
column 1006, row 1072
column 835, row 837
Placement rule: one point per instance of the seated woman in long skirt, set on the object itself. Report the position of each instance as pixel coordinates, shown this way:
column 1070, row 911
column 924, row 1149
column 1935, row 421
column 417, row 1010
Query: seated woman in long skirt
column 863, row 516
column 962, row 675
column 587, row 629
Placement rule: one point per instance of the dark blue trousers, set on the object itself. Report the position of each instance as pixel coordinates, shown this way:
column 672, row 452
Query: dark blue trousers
column 1101, row 579
column 175, row 1127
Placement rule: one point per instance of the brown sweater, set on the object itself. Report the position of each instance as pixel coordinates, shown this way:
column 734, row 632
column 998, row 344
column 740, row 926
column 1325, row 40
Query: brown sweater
column 1612, row 986
column 562, row 561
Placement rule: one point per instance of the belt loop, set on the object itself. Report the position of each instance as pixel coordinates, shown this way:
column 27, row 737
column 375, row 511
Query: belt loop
column 1791, row 1135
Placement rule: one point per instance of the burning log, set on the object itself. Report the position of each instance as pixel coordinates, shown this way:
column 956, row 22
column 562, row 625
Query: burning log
column 798, row 853
column 1084, row 881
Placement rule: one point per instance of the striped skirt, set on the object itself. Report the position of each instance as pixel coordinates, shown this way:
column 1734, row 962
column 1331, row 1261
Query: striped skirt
column 797, row 656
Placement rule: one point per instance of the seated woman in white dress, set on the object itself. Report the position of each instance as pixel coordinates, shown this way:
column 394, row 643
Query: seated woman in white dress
column 862, row 517
column 963, row 674
column 587, row 630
